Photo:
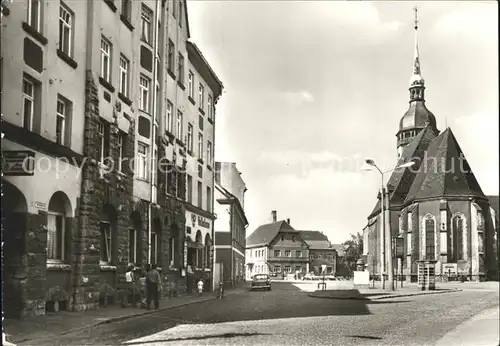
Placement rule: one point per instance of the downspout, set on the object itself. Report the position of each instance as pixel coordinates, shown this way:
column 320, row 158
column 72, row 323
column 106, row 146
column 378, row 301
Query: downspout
column 153, row 136
column 231, row 217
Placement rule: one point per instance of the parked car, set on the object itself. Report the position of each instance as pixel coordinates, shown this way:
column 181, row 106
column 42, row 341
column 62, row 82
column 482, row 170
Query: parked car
column 261, row 281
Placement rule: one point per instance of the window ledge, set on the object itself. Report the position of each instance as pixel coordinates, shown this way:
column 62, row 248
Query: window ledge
column 210, row 120
column 172, row 74
column 107, row 268
column 200, row 161
column 58, row 266
column 209, row 167
column 191, row 100
column 178, row 141
column 111, row 5
column 35, row 34
column 126, row 22
column 170, row 135
column 125, row 99
column 190, row 152
column 67, row 59
column 107, row 85
column 201, row 111
column 179, row 83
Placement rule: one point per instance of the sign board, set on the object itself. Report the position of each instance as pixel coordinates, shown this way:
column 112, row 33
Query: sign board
column 18, row 163
column 450, row 269
column 462, row 267
column 203, row 223
column 399, row 246
column 323, row 268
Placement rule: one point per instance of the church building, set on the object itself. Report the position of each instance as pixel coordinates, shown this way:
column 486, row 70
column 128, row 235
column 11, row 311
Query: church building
column 436, row 206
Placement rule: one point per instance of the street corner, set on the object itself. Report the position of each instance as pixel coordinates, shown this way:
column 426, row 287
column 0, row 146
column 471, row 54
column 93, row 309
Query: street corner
column 351, row 294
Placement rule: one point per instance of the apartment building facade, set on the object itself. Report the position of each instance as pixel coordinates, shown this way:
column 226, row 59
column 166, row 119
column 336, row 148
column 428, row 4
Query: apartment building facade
column 104, row 185
column 231, row 223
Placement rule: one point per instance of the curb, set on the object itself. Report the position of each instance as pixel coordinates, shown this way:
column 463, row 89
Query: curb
column 389, row 296
column 125, row 317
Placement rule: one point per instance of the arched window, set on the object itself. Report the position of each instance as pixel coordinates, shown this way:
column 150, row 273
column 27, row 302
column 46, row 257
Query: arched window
column 59, row 209
column 172, row 247
column 480, row 232
column 430, row 234
column 457, row 236
column 199, row 251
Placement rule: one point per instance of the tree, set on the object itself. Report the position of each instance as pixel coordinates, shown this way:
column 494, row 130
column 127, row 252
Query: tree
column 353, row 252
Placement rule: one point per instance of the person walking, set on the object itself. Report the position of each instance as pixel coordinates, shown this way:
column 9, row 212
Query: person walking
column 200, row 287
column 130, row 282
column 153, row 281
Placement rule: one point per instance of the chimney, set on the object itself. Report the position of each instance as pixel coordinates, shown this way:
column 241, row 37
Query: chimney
column 275, row 217
column 288, row 221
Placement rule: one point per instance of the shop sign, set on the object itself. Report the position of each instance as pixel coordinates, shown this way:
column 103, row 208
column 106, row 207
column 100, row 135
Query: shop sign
column 18, row 163
column 203, row 223
column 450, row 269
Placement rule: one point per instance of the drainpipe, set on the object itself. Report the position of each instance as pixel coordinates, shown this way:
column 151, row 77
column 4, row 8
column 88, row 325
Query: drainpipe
column 153, row 136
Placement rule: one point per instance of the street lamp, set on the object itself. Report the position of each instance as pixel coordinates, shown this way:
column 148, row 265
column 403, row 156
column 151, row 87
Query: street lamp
column 386, row 236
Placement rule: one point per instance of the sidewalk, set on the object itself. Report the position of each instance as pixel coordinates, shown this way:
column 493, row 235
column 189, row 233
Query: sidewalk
column 65, row 322
column 482, row 329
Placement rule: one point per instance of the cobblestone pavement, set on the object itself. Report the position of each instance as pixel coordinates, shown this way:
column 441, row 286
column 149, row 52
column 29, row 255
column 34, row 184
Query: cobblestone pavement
column 287, row 315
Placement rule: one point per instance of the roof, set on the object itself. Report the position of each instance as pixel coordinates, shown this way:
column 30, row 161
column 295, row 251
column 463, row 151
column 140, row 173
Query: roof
column 264, row 234
column 231, row 199
column 340, row 249
column 417, row 116
column 316, row 240
column 494, row 203
column 203, row 67
column 401, row 179
column 445, row 172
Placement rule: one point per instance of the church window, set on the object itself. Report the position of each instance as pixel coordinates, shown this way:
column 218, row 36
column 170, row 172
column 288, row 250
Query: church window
column 429, row 238
column 457, row 234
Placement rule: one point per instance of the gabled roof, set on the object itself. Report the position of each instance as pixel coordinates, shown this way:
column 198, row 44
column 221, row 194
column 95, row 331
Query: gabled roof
column 264, row 234
column 401, row 179
column 340, row 249
column 316, row 240
column 445, row 172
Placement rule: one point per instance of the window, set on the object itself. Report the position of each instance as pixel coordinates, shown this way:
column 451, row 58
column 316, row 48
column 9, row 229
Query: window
column 121, row 140
column 171, row 252
column 179, row 125
column 201, row 92
column 142, row 161
column 429, row 239
column 181, row 186
column 443, row 243
column 103, row 148
column 144, row 84
column 209, row 153
column 288, row 269
column 126, row 9
column 277, row 269
column 154, row 248
column 55, row 236
column 34, row 14
column 209, row 107
column 61, row 121
column 146, row 15
column 171, row 57
column 408, row 244
column 65, row 30
column 200, row 145
column 200, row 194
column 124, row 75
column 277, row 253
column 299, row 268
column 457, row 223
column 189, row 188
column 105, row 243
column 28, row 104
column 191, row 84
column 299, row 254
column 180, row 14
column 132, row 245
column 180, row 67
column 190, row 137
column 105, row 60
column 209, row 199
column 169, row 120
column 288, row 253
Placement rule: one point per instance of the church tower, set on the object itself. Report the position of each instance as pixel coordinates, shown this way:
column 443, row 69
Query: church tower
column 417, row 116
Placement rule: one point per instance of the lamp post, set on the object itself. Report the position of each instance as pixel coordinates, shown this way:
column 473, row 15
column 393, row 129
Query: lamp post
column 386, row 235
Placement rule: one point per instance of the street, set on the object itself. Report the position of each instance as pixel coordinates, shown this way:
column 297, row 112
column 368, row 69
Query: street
column 287, row 315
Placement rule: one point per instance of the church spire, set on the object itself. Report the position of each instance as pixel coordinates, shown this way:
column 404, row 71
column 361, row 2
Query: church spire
column 417, row 83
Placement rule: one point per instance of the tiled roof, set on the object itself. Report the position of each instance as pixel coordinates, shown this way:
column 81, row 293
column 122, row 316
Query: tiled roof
column 445, row 172
column 340, row 249
column 264, row 234
column 319, row 244
column 313, row 235
column 401, row 179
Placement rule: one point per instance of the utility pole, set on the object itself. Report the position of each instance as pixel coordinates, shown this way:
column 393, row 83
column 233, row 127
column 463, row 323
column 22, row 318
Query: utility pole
column 390, row 262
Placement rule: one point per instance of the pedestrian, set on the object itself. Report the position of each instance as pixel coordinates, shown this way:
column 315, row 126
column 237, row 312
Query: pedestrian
column 200, row 287
column 131, row 285
column 153, row 281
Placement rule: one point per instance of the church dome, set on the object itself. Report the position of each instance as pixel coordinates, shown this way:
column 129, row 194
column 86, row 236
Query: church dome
column 417, row 116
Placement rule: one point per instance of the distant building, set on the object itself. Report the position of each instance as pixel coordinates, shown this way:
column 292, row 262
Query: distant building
column 276, row 248
column 231, row 222
column 321, row 252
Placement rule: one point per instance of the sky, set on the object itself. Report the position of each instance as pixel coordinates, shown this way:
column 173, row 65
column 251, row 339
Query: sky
column 313, row 88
